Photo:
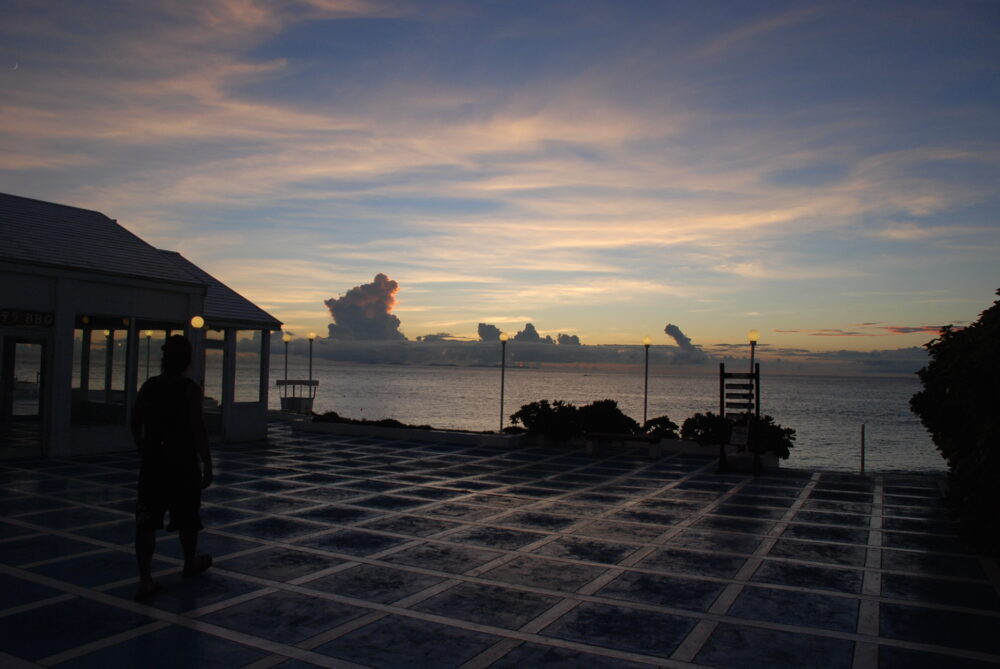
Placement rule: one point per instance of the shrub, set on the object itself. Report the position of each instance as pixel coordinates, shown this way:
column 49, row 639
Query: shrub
column 706, row 428
column 957, row 406
column 605, row 416
column 661, row 426
column 556, row 421
column 766, row 436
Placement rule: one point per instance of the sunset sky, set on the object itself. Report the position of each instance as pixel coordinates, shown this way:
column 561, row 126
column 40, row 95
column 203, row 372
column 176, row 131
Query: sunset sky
column 824, row 172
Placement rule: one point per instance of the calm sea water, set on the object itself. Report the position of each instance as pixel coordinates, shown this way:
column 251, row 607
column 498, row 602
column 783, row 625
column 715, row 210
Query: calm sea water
column 826, row 412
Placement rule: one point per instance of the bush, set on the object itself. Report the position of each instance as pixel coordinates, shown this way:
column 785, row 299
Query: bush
column 957, row 406
column 605, row 416
column 561, row 421
column 766, row 436
column 706, row 428
column 661, row 426
column 556, row 421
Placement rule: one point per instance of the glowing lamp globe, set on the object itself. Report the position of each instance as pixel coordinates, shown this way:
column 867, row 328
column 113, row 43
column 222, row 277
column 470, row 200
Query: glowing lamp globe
column 504, row 337
column 312, row 335
column 197, row 322
column 646, row 341
column 286, row 337
column 753, row 336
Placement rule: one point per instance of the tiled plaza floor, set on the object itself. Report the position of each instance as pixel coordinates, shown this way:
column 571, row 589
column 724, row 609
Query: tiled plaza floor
column 345, row 552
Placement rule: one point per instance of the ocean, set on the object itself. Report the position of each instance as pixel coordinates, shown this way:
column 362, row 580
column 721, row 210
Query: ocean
column 827, row 412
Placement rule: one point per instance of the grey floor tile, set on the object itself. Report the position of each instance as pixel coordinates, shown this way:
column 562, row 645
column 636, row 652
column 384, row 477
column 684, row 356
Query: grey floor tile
column 738, row 647
column 941, row 591
column 727, row 542
column 396, row 642
column 415, row 526
column 374, row 583
column 488, row 605
column 352, row 542
column 805, row 609
column 17, row 592
column 588, row 550
column 809, row 576
column 169, row 648
column 285, row 617
column 543, row 573
column 28, row 634
column 279, row 564
column 809, row 551
column 443, row 557
column 495, row 537
column 940, row 627
column 622, row 628
column 692, row 562
column 890, row 657
column 552, row 657
column 671, row 591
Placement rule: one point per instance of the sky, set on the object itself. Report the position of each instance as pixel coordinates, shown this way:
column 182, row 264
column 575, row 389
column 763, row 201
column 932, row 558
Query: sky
column 825, row 173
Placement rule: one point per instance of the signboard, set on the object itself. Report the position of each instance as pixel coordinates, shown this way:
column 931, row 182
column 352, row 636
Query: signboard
column 20, row 317
column 740, row 435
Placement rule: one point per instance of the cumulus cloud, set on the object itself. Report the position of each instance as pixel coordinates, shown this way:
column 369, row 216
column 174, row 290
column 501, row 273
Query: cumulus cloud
column 365, row 312
column 689, row 353
column 488, row 332
column 568, row 340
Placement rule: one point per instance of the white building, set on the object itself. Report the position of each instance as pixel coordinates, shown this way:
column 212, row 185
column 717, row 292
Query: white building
column 84, row 308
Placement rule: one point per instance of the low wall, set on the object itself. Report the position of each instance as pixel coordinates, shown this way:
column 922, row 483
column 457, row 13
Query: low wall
column 737, row 461
column 411, row 434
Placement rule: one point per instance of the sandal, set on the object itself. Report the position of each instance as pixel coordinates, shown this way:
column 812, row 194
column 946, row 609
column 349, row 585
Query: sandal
column 202, row 563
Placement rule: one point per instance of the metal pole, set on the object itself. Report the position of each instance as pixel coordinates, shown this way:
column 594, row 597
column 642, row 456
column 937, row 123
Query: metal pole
column 862, row 448
column 645, row 388
column 286, row 365
column 310, row 362
column 503, row 370
column 148, row 338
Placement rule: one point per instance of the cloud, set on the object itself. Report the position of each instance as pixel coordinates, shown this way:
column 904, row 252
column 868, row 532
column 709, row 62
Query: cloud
column 365, row 312
column 868, row 330
column 689, row 353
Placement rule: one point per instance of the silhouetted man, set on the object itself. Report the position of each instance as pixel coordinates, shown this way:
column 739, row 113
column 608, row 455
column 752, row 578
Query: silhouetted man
column 169, row 430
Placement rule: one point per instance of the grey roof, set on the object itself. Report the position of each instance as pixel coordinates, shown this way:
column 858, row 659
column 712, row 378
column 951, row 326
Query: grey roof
column 56, row 235
column 223, row 305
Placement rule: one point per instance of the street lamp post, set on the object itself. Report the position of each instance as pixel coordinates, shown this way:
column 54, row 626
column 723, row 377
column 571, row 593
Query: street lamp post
column 312, row 336
column 646, row 341
column 286, row 338
column 503, row 369
column 753, row 336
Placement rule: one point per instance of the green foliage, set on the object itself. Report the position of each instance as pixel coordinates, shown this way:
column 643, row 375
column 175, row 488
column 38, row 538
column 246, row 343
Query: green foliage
column 766, row 436
column 556, row 421
column 706, row 428
column 661, row 426
column 958, row 406
column 561, row 421
column 605, row 416
column 334, row 417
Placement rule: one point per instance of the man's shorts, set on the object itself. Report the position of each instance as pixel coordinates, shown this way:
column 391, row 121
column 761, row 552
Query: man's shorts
column 161, row 491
